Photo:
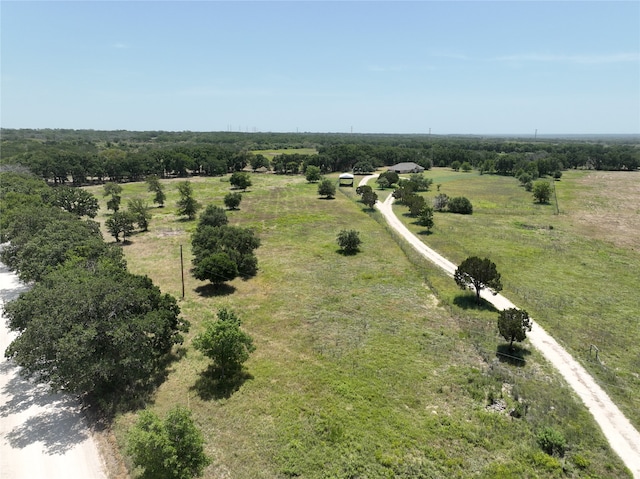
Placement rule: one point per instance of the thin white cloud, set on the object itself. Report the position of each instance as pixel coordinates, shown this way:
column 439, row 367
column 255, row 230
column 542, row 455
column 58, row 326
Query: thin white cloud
column 120, row 45
column 575, row 59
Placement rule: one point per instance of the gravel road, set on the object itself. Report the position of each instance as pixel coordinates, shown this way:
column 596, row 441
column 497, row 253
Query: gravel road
column 622, row 436
column 42, row 435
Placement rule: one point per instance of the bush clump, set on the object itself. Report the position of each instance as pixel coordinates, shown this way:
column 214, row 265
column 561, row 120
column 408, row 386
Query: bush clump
column 552, row 442
column 460, row 205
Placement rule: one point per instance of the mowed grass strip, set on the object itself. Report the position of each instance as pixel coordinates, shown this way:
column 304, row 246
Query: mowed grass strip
column 358, row 371
column 576, row 277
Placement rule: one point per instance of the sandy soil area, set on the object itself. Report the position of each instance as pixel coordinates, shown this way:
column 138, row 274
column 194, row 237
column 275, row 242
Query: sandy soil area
column 42, row 435
column 622, row 436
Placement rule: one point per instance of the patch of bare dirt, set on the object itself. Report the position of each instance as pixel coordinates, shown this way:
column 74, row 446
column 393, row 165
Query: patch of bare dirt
column 608, row 207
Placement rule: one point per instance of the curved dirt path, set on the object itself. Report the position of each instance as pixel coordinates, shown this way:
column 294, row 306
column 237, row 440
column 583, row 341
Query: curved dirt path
column 42, row 435
column 622, row 436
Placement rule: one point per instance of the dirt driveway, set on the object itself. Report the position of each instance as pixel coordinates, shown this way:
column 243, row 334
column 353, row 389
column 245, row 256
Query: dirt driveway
column 622, row 436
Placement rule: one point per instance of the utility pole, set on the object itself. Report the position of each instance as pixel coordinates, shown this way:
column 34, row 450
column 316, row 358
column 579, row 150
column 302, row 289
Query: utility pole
column 182, row 271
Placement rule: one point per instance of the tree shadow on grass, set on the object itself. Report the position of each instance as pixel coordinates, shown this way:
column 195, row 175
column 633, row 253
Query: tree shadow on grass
column 347, row 252
column 424, row 232
column 468, row 301
column 212, row 290
column 212, row 385
column 512, row 355
column 101, row 406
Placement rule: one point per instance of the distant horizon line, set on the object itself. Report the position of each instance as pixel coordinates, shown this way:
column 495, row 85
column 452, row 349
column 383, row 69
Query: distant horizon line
column 347, row 133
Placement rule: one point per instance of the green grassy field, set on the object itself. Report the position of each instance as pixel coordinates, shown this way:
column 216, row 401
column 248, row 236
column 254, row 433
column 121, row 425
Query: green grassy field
column 575, row 272
column 360, row 370
column 270, row 154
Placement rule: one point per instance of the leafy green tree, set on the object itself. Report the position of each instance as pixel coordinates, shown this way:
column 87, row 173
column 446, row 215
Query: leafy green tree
column 327, row 188
column 425, row 217
column 479, row 273
column 415, row 203
column 513, row 325
column 113, row 190
column 312, row 174
column 90, row 327
column 222, row 253
column 121, row 223
column 225, row 343
column 232, row 200
column 440, row 202
column 362, row 189
column 542, row 191
column 213, row 216
column 466, row 167
column 169, row 449
column 259, row 161
column 455, row 165
column 383, row 182
column 369, row 198
column 293, row 167
column 349, row 241
column 405, row 188
column 363, row 167
column 460, row 205
column 240, row 180
column 43, row 237
column 154, row 186
column 524, row 178
column 74, row 200
column 187, row 204
column 139, row 210
column 421, row 182
column 391, row 176
column 217, row 268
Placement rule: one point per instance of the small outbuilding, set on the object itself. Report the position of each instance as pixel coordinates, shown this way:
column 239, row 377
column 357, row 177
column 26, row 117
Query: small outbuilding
column 346, row 179
column 408, row 167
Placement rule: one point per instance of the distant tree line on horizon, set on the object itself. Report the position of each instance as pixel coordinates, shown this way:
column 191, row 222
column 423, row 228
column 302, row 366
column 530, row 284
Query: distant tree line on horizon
column 83, row 156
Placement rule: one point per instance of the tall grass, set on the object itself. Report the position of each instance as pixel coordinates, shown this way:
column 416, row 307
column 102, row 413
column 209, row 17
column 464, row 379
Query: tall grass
column 578, row 285
column 360, row 370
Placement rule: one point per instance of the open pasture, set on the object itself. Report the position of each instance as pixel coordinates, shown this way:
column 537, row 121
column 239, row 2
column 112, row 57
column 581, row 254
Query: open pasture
column 360, row 370
column 576, row 272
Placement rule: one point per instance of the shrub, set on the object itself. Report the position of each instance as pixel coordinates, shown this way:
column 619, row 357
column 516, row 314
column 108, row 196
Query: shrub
column 327, row 188
column 312, row 174
column 225, row 343
column 440, row 202
column 232, row 200
column 349, row 241
column 460, row 205
column 542, row 191
column 172, row 448
column 552, row 442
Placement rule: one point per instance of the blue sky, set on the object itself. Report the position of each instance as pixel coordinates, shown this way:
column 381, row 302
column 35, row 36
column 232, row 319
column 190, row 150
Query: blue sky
column 453, row 67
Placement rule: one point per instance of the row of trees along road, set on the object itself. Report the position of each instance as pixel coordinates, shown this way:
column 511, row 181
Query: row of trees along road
column 87, row 326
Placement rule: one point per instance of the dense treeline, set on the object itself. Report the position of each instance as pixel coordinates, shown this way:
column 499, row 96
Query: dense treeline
column 82, row 156
column 87, row 326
